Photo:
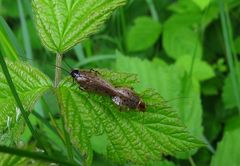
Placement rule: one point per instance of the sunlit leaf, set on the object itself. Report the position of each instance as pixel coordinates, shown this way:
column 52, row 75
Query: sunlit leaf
column 143, row 34
column 183, row 40
column 202, row 3
column 30, row 84
column 201, row 70
column 64, row 23
column 131, row 135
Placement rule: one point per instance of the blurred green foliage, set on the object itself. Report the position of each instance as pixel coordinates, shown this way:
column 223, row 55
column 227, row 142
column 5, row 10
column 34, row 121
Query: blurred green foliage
column 175, row 47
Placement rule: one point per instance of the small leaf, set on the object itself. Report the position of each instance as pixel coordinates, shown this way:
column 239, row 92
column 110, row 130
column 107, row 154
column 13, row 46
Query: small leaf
column 183, row 40
column 131, row 135
column 184, row 7
column 202, row 3
column 143, row 34
column 30, row 84
column 62, row 24
column 201, row 70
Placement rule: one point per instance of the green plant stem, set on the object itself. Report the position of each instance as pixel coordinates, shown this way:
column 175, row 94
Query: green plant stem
column 152, row 10
column 34, row 155
column 191, row 161
column 67, row 142
column 17, row 99
column 227, row 41
column 57, row 80
column 58, row 70
column 25, row 32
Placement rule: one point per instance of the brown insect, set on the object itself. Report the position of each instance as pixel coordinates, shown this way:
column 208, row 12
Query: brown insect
column 123, row 97
column 92, row 82
column 127, row 98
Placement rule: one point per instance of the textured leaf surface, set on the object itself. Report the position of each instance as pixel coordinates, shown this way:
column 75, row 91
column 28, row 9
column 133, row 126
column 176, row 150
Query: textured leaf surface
column 10, row 160
column 64, row 23
column 169, row 82
column 143, row 34
column 30, row 84
column 131, row 135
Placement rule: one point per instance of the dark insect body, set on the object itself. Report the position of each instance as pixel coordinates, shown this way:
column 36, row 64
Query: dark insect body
column 123, row 97
column 91, row 81
column 127, row 98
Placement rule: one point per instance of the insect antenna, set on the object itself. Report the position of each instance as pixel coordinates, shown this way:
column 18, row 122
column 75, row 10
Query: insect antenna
column 61, row 68
column 67, row 65
column 24, row 58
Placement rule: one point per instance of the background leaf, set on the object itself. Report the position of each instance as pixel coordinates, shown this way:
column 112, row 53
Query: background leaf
column 201, row 70
column 30, row 84
column 62, row 24
column 181, row 41
column 228, row 149
column 202, row 3
column 131, row 135
column 228, row 96
column 143, row 34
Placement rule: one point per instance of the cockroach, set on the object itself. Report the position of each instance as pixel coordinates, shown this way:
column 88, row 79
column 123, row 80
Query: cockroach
column 127, row 98
column 123, row 97
column 92, row 82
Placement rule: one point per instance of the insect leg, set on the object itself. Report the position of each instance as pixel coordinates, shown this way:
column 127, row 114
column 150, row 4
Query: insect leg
column 95, row 72
column 81, row 88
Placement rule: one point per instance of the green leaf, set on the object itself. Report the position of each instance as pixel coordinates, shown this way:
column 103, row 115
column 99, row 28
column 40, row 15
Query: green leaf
column 143, row 34
column 202, row 3
column 228, row 149
column 201, row 70
column 183, row 40
column 62, row 24
column 169, row 81
column 10, row 160
column 8, row 44
column 8, row 9
column 99, row 143
column 30, row 84
column 131, row 136
column 237, row 44
column 184, row 6
column 12, row 134
column 228, row 96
